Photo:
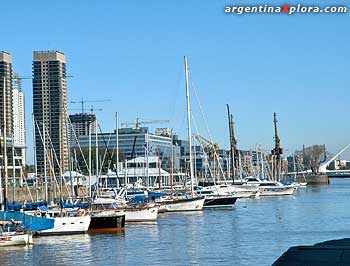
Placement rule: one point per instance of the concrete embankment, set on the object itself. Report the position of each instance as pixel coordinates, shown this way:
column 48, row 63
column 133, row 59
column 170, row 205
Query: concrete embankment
column 314, row 179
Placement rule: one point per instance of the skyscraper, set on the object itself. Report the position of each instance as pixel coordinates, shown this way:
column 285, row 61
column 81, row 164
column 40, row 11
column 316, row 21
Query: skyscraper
column 18, row 116
column 49, row 108
column 6, row 91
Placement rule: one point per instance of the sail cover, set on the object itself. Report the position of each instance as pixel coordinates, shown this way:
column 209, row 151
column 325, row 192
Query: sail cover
column 30, row 222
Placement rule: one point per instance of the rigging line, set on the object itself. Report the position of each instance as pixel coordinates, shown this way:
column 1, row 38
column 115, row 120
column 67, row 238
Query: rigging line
column 77, row 141
column 104, row 155
column 27, row 186
column 22, row 175
column 109, row 161
column 109, row 154
column 58, row 163
column 215, row 153
column 206, row 159
column 48, row 158
column 176, row 93
column 201, row 110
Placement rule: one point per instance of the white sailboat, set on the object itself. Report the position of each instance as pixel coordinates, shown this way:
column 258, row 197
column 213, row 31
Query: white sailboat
column 134, row 212
column 65, row 222
column 184, row 202
column 147, row 213
column 15, row 239
column 10, row 237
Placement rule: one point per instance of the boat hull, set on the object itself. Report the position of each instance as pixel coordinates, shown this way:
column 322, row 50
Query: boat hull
column 276, row 191
column 245, row 194
column 15, row 240
column 219, row 202
column 141, row 214
column 107, row 223
column 195, row 204
column 68, row 226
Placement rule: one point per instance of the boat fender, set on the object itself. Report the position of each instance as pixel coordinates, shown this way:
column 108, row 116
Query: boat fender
column 81, row 212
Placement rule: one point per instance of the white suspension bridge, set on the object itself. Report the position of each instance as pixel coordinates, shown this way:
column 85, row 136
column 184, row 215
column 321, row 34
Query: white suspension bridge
column 323, row 167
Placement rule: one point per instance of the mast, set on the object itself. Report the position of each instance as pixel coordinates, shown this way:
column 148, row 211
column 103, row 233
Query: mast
column 147, row 160
column 159, row 173
column 189, row 133
column 45, row 168
column 117, row 139
column 13, row 170
column 96, row 149
column 61, row 117
column 70, row 163
column 4, row 155
column 90, row 181
column 294, row 168
column 171, row 160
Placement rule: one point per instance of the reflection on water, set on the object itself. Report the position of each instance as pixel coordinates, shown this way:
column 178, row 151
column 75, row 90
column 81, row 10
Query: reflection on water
column 255, row 232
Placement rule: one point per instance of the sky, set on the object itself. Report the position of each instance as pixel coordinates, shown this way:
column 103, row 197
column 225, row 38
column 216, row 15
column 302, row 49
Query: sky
column 131, row 53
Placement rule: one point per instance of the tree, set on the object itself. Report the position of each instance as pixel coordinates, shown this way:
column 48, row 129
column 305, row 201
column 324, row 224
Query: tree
column 312, row 157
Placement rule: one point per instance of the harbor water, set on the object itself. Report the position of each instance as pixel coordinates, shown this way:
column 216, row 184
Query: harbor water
column 255, row 232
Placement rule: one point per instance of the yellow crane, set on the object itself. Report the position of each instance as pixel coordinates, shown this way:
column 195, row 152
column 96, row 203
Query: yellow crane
column 211, row 149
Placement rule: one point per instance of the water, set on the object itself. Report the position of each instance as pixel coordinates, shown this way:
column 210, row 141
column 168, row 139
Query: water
column 256, row 232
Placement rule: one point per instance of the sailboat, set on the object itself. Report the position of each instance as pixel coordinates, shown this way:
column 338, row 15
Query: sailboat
column 66, row 219
column 147, row 212
column 187, row 202
column 13, row 238
column 11, row 234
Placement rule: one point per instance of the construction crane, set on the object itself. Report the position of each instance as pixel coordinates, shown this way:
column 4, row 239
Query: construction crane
column 92, row 109
column 17, row 77
column 138, row 123
column 82, row 102
column 212, row 148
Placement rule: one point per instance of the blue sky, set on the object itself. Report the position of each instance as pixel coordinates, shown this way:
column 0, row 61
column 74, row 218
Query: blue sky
column 131, row 52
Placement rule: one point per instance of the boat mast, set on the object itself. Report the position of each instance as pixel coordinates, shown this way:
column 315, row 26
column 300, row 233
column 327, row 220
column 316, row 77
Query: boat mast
column 159, row 173
column 117, row 139
column 61, row 130
column 4, row 155
column 90, row 181
column 13, row 170
column 294, row 168
column 189, row 133
column 45, row 167
column 96, row 150
column 171, row 160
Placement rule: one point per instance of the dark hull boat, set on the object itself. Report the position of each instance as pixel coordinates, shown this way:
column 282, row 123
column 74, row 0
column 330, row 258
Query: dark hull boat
column 107, row 221
column 219, row 201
